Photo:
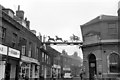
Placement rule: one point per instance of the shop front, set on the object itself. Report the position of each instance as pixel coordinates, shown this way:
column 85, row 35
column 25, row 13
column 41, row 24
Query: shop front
column 3, row 52
column 12, row 64
column 29, row 68
column 56, row 71
column 9, row 63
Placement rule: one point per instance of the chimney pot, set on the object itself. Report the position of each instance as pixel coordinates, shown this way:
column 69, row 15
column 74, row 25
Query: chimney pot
column 18, row 7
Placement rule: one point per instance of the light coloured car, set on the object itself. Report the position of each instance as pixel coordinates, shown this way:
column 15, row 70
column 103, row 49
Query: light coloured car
column 67, row 75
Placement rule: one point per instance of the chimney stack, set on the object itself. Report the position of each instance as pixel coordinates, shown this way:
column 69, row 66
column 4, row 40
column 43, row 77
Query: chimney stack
column 20, row 13
column 28, row 24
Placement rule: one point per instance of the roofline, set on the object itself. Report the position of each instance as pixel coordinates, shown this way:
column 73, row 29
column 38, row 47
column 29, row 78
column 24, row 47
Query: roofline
column 99, row 19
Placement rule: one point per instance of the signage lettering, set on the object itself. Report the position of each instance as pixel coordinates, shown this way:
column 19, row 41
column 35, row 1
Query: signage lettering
column 3, row 49
column 14, row 53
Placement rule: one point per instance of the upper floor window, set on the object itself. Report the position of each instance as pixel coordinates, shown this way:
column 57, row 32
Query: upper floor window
column 30, row 49
column 37, row 52
column 2, row 34
column 23, row 49
column 47, row 60
column 114, row 63
column 112, row 28
column 42, row 56
column 23, row 43
column 45, row 57
column 14, row 39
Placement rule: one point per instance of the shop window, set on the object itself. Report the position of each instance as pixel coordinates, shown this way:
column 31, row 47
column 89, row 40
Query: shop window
column 42, row 72
column 114, row 63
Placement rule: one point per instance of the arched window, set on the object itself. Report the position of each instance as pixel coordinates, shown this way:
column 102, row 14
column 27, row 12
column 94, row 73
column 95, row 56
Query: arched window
column 114, row 63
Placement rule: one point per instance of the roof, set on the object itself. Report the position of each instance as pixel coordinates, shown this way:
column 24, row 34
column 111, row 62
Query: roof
column 101, row 18
column 52, row 51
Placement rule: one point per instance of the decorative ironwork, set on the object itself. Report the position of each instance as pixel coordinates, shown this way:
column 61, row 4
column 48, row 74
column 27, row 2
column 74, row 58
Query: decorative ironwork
column 57, row 38
column 75, row 40
column 49, row 38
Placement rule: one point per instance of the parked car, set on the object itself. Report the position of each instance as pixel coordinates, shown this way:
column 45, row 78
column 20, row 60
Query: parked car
column 68, row 75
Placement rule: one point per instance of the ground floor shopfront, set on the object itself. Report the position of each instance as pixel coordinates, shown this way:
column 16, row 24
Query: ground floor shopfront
column 45, row 72
column 56, row 71
column 9, row 63
column 29, row 68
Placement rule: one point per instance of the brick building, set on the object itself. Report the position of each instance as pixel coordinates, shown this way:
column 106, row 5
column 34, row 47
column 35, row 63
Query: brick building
column 100, row 48
column 21, row 51
column 23, row 47
column 49, row 62
column 71, row 62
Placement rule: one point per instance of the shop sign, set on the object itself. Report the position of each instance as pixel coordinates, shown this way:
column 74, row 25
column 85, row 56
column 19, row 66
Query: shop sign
column 31, row 60
column 14, row 53
column 3, row 49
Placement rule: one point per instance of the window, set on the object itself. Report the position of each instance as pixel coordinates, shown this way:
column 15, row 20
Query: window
column 14, row 40
column 42, row 57
column 23, row 43
column 30, row 49
column 2, row 34
column 47, row 60
column 112, row 28
column 37, row 52
column 114, row 63
column 42, row 72
column 45, row 57
column 23, row 49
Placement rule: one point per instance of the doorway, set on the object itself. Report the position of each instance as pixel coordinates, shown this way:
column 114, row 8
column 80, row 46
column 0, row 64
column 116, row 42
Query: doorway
column 7, row 71
column 92, row 66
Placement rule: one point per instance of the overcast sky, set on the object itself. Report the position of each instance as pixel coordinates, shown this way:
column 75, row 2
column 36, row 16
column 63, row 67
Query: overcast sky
column 62, row 17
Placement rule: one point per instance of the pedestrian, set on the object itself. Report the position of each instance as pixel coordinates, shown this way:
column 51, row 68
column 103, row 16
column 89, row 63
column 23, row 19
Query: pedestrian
column 81, row 75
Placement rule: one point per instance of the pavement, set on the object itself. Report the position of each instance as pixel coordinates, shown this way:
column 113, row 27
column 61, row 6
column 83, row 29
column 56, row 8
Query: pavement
column 74, row 78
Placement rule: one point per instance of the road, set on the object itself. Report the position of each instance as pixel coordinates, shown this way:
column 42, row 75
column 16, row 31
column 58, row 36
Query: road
column 74, row 78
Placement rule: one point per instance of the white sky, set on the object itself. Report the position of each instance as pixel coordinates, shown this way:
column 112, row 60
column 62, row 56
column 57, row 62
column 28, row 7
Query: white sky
column 62, row 17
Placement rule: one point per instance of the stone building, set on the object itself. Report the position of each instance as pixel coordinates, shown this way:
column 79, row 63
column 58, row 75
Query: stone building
column 101, row 57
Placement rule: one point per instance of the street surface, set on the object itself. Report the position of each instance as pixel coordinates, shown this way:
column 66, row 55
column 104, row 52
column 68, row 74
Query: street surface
column 74, row 78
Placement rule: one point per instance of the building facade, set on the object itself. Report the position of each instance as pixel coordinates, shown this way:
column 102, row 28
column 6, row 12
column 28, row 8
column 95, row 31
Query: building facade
column 101, row 57
column 20, row 47
column 72, row 63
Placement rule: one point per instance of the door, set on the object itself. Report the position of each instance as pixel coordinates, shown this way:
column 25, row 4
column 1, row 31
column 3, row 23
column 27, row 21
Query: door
column 92, row 66
column 7, row 71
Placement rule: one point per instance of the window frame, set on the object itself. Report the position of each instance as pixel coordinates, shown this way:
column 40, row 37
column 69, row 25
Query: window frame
column 108, row 58
column 3, row 34
column 14, row 39
column 112, row 27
